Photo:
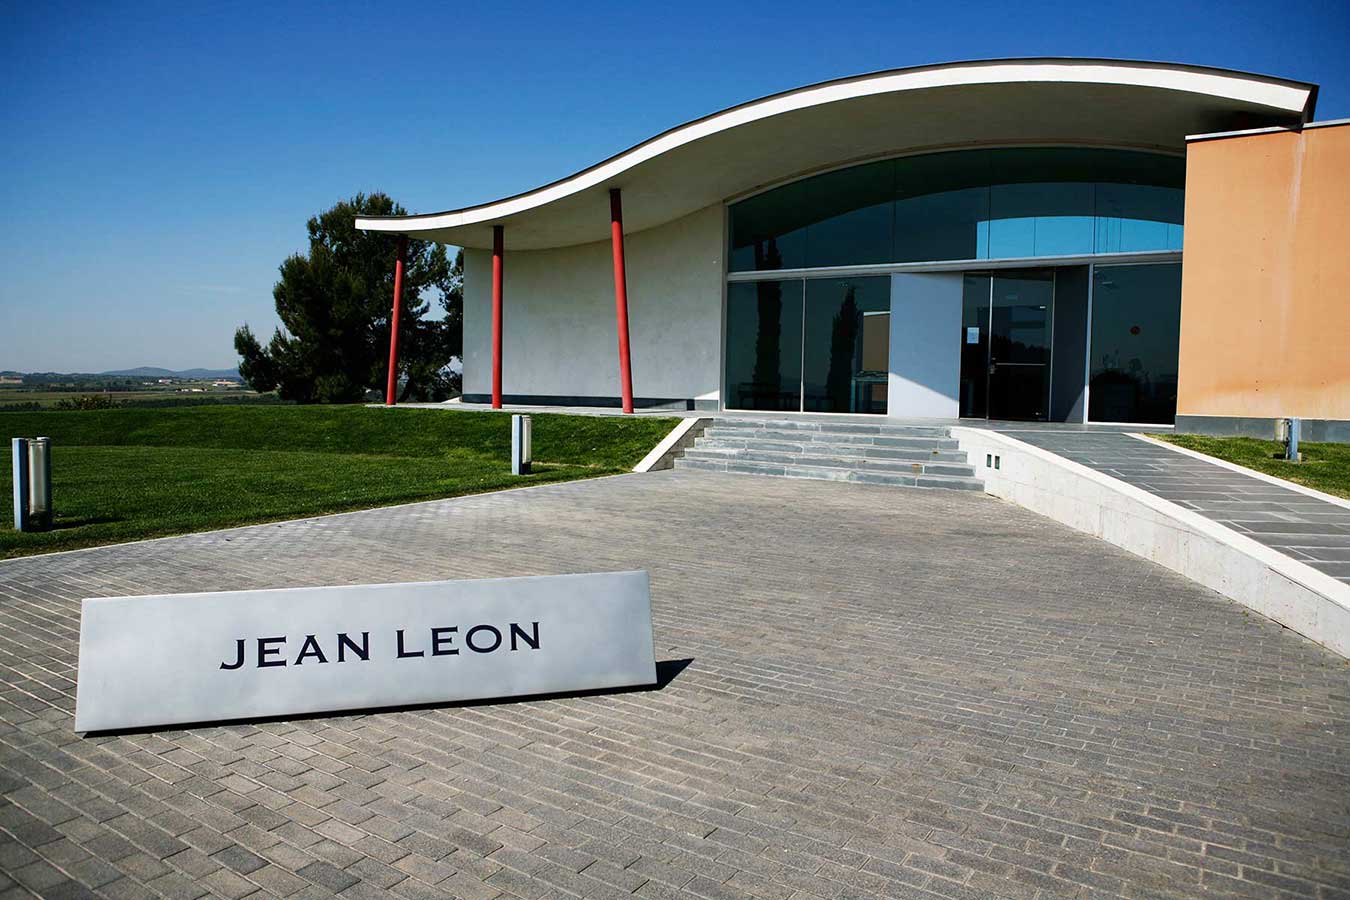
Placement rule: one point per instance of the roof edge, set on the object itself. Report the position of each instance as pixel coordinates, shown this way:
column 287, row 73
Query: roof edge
column 393, row 223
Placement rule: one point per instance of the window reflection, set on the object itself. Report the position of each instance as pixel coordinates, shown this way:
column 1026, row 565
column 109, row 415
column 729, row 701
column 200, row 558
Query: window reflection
column 1136, row 325
column 846, row 346
column 764, row 345
column 973, row 204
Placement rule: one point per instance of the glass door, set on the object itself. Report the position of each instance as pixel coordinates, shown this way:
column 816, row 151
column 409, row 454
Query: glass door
column 1006, row 332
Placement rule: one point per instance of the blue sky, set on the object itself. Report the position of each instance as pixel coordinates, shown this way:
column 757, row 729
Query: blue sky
column 159, row 161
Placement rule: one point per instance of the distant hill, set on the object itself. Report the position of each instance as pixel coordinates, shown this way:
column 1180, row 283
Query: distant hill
column 156, row 372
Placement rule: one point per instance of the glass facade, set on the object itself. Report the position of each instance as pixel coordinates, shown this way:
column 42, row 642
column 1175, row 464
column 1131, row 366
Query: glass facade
column 1135, row 343
column 764, row 345
column 969, row 204
column 846, row 344
column 816, row 346
column 822, row 343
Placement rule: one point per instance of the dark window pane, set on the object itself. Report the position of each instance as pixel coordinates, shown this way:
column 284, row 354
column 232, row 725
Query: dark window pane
column 767, row 231
column 1019, row 344
column 948, row 225
column 974, row 346
column 942, row 206
column 1136, row 323
column 851, row 216
column 764, row 345
column 847, row 344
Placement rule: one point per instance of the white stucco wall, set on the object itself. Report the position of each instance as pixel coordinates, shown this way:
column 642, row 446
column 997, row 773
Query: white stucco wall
column 558, row 330
column 925, row 377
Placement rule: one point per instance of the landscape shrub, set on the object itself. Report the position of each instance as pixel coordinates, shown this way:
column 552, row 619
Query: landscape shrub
column 85, row 402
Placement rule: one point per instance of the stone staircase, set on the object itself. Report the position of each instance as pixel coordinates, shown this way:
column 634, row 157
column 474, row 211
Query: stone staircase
column 902, row 455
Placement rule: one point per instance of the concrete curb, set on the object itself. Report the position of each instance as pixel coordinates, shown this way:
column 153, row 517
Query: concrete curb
column 1279, row 587
column 673, row 445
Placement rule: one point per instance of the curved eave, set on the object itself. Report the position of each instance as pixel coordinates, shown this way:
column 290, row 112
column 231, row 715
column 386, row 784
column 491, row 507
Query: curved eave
column 1001, row 102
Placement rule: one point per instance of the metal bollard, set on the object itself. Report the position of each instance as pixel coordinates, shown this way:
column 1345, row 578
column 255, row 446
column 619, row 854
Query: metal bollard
column 40, row 484
column 19, row 464
column 521, row 450
column 1288, row 432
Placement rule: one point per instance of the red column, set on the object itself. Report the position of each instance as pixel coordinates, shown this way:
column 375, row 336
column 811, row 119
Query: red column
column 391, row 386
column 497, row 253
column 620, row 296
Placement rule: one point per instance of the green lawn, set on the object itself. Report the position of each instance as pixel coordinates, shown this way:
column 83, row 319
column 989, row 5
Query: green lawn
column 1325, row 467
column 128, row 474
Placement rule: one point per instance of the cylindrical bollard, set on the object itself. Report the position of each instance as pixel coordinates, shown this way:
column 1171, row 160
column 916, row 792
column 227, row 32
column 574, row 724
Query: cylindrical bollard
column 40, row 484
column 19, row 461
column 521, row 449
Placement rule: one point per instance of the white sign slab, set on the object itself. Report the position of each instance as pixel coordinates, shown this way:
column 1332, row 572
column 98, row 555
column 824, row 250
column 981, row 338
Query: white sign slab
column 176, row 658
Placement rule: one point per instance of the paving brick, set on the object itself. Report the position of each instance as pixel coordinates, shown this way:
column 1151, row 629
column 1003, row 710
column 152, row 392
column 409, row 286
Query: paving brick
column 328, row 875
column 239, row 859
column 891, row 693
column 229, row 885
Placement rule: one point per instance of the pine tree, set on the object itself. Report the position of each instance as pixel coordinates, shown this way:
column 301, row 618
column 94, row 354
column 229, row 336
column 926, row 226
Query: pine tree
column 334, row 305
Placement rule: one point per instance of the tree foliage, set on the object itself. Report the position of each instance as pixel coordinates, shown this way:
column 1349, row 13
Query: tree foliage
column 334, row 304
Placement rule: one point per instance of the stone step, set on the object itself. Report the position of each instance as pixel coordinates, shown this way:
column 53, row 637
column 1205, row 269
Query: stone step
column 830, row 473
column 829, row 426
column 900, row 466
column 920, row 451
column 831, row 437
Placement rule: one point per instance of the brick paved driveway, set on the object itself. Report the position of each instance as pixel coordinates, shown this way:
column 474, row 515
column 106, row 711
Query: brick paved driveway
column 897, row 693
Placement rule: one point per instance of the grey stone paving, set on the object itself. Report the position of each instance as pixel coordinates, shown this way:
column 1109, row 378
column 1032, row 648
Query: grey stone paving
column 1308, row 529
column 892, row 693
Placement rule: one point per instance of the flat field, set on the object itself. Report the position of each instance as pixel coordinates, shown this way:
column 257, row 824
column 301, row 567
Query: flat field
column 14, row 394
column 129, row 474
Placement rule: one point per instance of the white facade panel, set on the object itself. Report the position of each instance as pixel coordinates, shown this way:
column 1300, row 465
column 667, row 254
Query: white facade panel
column 925, row 370
column 558, row 333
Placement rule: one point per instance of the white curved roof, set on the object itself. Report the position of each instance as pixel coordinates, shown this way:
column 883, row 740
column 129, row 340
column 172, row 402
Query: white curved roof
column 1114, row 103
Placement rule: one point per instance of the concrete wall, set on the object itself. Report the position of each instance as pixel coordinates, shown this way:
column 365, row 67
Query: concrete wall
column 1264, row 315
column 925, row 354
column 558, row 331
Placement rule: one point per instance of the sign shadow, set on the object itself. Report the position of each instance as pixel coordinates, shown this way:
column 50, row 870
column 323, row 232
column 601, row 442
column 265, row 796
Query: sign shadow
column 667, row 670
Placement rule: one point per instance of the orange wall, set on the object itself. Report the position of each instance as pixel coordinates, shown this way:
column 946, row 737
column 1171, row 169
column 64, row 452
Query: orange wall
column 1265, row 310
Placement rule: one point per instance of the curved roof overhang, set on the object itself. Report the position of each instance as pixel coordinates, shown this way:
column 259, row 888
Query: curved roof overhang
column 1143, row 105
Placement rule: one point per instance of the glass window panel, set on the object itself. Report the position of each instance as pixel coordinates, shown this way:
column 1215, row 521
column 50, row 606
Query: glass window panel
column 1033, row 165
column 1136, row 324
column 1138, row 217
column 767, row 231
column 1040, row 219
column 847, row 344
column 941, row 206
column 1020, row 332
column 852, row 215
column 764, row 345
column 946, row 225
column 974, row 346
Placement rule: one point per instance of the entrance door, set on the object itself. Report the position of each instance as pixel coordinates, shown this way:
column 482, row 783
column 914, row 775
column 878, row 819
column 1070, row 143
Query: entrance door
column 1007, row 319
